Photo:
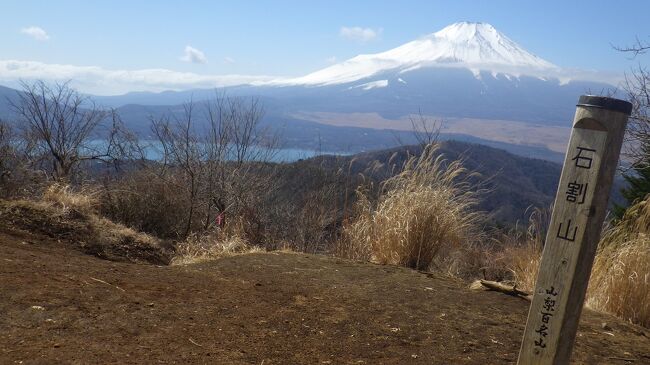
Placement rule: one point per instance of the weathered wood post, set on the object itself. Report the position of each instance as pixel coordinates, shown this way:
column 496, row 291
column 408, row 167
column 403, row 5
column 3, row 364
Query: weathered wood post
column 574, row 230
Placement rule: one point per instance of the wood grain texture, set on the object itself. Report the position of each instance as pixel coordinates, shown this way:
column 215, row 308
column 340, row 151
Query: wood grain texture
column 573, row 235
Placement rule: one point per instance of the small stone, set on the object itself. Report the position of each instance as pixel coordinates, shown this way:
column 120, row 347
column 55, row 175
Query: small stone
column 37, row 308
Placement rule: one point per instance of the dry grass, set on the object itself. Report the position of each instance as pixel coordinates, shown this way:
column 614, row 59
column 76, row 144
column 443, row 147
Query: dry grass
column 215, row 244
column 523, row 263
column 144, row 201
column 199, row 248
column 620, row 279
column 522, row 252
column 421, row 212
column 62, row 196
column 70, row 216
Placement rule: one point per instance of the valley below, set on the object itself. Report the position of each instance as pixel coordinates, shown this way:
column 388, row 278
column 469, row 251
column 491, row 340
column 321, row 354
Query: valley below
column 552, row 137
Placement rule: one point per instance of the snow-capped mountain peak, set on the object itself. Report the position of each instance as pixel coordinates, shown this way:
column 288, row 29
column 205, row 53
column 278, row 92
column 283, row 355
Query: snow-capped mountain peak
column 476, row 46
column 481, row 43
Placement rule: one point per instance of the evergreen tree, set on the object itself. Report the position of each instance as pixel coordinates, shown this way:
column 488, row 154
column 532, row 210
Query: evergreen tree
column 638, row 181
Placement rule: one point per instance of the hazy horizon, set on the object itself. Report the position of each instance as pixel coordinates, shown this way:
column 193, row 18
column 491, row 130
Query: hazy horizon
column 109, row 49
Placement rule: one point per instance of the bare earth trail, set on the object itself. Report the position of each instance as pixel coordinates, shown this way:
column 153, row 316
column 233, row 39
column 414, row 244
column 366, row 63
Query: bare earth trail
column 60, row 306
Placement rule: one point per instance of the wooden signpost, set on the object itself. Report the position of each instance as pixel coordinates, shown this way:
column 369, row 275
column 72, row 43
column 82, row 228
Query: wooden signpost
column 574, row 230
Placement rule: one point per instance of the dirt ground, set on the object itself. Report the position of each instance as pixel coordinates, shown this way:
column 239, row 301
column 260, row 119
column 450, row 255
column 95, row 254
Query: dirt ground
column 60, row 306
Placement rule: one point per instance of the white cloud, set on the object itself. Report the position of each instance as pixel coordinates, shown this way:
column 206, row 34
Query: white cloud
column 37, row 33
column 100, row 81
column 360, row 34
column 228, row 60
column 193, row 55
column 331, row 60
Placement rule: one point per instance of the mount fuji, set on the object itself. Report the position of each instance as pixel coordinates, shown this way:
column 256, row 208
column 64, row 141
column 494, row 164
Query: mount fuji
column 466, row 70
column 475, row 46
column 478, row 81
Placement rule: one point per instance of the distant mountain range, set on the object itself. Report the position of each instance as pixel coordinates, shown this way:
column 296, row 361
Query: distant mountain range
column 484, row 86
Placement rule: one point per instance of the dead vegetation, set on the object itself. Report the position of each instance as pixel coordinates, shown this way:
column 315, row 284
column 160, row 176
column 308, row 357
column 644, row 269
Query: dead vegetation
column 217, row 194
column 71, row 217
column 424, row 210
column 226, row 241
column 522, row 250
column 620, row 279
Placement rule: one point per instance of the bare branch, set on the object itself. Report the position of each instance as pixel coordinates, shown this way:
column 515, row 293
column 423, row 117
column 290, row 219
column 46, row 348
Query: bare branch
column 425, row 130
column 61, row 122
column 637, row 48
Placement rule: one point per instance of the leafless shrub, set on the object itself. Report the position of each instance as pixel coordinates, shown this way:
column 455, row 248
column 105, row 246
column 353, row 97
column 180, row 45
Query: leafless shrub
column 141, row 200
column 213, row 170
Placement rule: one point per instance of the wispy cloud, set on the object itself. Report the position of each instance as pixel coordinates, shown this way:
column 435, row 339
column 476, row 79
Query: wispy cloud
column 360, row 34
column 228, row 60
column 101, row 81
column 37, row 33
column 193, row 55
column 331, row 60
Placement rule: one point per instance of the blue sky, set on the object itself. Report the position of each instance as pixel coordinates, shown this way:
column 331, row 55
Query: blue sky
column 292, row 38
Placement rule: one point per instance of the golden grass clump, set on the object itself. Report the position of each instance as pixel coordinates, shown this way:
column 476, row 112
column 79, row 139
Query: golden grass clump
column 420, row 212
column 215, row 244
column 523, row 263
column 620, row 278
column 63, row 197
column 199, row 248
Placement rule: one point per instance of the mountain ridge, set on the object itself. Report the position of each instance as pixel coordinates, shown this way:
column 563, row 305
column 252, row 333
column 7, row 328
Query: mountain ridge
column 466, row 70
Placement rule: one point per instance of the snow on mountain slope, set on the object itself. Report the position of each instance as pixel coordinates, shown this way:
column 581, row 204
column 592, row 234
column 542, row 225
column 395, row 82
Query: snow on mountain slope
column 477, row 46
column 371, row 85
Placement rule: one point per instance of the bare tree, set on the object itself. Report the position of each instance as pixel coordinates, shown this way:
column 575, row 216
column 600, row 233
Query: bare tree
column 60, row 123
column 219, row 164
column 7, row 154
column 238, row 147
column 425, row 130
column 182, row 149
column 17, row 177
column 637, row 87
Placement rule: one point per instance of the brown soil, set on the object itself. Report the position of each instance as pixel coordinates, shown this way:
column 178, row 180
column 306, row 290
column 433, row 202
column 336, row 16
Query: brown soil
column 83, row 231
column 60, row 306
